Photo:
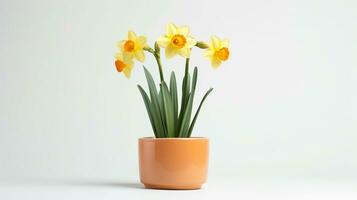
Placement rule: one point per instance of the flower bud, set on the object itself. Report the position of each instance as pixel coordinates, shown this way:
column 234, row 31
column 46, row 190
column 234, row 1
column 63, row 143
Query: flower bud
column 157, row 48
column 202, row 45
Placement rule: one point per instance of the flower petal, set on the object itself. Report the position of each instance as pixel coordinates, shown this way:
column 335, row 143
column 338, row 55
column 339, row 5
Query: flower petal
column 184, row 52
column 190, row 42
column 127, row 72
column 171, row 29
column 131, row 35
column 140, row 56
column 163, row 41
column 215, row 63
column 141, row 40
column 129, row 67
column 170, row 52
column 209, row 53
column 128, row 56
column 215, row 42
column 119, row 56
column 225, row 43
column 120, row 44
column 184, row 30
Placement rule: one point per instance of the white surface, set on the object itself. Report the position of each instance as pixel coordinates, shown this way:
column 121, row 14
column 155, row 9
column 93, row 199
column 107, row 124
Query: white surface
column 283, row 106
column 247, row 190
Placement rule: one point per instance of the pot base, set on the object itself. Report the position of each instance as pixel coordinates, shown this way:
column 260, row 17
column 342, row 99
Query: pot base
column 165, row 187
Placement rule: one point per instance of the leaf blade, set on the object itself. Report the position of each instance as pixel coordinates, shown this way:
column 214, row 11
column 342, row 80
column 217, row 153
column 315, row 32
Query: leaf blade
column 162, row 112
column 148, row 108
column 173, row 91
column 155, row 103
column 186, row 118
column 184, row 98
column 197, row 112
column 169, row 112
column 194, row 80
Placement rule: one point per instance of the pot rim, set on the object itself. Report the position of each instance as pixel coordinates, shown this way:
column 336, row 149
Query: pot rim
column 190, row 138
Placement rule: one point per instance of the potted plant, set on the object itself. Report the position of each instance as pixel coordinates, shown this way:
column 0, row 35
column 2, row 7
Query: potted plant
column 172, row 159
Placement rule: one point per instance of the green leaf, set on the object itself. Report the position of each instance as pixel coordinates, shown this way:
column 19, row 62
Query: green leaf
column 188, row 84
column 162, row 112
column 173, row 91
column 194, row 80
column 148, row 108
column 169, row 110
column 184, row 98
column 155, row 103
column 197, row 112
column 183, row 93
column 185, row 122
column 184, row 132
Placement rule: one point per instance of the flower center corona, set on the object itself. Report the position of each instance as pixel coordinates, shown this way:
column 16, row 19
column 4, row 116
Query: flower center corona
column 178, row 41
column 120, row 65
column 129, row 46
column 223, row 54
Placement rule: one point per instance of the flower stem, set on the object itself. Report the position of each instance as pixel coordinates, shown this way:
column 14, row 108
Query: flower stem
column 187, row 66
column 158, row 60
column 156, row 54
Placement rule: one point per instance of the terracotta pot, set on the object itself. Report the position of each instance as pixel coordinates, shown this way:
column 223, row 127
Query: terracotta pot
column 173, row 163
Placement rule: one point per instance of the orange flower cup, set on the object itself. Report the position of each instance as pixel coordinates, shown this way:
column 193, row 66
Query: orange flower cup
column 173, row 163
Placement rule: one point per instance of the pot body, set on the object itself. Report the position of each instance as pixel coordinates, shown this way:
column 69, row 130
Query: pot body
column 173, row 163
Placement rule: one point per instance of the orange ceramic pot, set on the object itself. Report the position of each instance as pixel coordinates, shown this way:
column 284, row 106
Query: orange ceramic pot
column 173, row 163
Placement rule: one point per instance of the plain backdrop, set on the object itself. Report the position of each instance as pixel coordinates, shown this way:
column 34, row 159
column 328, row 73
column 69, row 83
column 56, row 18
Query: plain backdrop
column 283, row 106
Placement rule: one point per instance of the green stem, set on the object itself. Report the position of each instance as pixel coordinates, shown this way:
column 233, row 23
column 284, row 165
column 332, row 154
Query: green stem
column 158, row 60
column 156, row 54
column 187, row 66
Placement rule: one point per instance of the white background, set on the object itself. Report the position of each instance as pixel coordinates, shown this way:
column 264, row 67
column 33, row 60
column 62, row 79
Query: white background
column 283, row 107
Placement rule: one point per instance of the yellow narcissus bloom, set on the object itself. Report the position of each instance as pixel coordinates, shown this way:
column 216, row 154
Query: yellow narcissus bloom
column 123, row 65
column 176, row 41
column 218, row 51
column 133, row 47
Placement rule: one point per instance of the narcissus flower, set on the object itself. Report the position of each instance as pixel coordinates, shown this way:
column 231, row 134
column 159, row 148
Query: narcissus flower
column 133, row 47
column 123, row 65
column 176, row 41
column 218, row 51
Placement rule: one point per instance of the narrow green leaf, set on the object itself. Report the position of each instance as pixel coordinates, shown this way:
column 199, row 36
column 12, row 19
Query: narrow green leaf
column 188, row 85
column 169, row 110
column 183, row 93
column 185, row 122
column 148, row 109
column 194, row 80
column 173, row 91
column 155, row 102
column 197, row 112
column 184, row 98
column 162, row 112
